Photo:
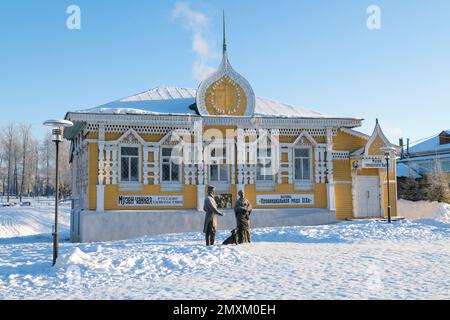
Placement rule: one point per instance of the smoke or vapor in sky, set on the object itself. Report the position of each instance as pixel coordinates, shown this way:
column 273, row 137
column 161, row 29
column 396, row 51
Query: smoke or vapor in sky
column 197, row 23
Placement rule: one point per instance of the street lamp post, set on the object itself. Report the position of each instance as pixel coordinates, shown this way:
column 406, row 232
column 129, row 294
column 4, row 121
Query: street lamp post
column 387, row 153
column 57, row 137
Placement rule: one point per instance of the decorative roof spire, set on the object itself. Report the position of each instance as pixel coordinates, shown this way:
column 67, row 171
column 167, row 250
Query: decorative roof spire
column 224, row 37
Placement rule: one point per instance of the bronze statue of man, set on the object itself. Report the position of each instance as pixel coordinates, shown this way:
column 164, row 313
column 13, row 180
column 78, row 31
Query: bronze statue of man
column 243, row 210
column 210, row 208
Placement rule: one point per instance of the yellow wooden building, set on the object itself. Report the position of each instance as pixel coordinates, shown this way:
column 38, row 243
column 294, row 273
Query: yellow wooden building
column 141, row 165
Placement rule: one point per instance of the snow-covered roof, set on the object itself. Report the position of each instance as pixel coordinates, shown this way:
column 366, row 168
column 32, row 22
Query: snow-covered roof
column 358, row 152
column 431, row 145
column 176, row 101
column 405, row 171
column 426, row 158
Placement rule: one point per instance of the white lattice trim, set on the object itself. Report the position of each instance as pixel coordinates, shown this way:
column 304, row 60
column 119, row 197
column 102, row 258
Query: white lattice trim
column 341, row 155
column 287, row 132
column 141, row 129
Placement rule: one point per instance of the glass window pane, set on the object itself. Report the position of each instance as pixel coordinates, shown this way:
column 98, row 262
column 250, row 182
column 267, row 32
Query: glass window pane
column 134, row 174
column 306, row 169
column 264, row 152
column 129, row 151
column 224, row 172
column 214, row 173
column 259, row 173
column 269, row 169
column 302, row 153
column 298, row 169
column 166, row 172
column 167, row 152
column 125, row 169
column 175, row 173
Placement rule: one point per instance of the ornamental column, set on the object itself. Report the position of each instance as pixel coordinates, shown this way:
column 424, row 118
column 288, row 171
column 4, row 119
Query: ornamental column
column 101, row 186
column 198, row 133
column 331, row 196
column 240, row 145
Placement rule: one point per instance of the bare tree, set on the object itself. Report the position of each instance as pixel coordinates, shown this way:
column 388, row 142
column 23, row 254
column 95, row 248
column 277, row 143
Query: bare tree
column 438, row 185
column 9, row 137
column 27, row 166
column 47, row 151
column 25, row 130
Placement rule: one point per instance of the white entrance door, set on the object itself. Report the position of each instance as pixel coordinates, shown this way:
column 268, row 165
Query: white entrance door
column 367, row 197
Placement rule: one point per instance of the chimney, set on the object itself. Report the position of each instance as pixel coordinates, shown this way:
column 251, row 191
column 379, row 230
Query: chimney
column 407, row 146
column 444, row 138
column 402, row 152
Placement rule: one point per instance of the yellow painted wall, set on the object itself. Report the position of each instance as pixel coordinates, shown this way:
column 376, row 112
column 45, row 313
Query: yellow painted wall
column 368, row 172
column 344, row 202
column 374, row 148
column 345, row 141
column 93, row 176
column 342, row 170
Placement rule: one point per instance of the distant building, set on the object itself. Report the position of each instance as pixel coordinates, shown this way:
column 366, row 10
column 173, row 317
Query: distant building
column 427, row 157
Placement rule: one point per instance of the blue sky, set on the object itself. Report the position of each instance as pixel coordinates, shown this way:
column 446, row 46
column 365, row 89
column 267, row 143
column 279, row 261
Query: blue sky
column 316, row 54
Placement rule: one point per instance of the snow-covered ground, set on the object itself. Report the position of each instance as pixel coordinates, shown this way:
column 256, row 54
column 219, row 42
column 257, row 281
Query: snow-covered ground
column 26, row 221
column 424, row 210
column 349, row 260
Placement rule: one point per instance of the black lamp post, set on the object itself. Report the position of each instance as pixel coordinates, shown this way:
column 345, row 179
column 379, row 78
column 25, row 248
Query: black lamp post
column 57, row 137
column 388, row 151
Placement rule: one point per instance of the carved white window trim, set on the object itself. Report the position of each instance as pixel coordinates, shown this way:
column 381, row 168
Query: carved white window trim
column 303, row 182
column 228, row 159
column 129, row 183
column 171, row 184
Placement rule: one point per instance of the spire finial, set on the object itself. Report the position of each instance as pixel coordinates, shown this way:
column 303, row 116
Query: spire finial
column 224, row 34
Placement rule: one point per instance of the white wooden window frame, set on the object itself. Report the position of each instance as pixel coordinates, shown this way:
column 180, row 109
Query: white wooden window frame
column 180, row 167
column 310, row 158
column 265, row 184
column 139, row 147
column 219, row 161
column 265, row 158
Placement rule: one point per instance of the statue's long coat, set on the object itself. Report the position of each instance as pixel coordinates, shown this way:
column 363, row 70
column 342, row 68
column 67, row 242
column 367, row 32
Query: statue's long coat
column 211, row 213
column 243, row 210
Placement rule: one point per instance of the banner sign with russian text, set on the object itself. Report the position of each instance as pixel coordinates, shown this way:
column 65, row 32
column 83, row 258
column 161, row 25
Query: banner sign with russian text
column 285, row 200
column 375, row 164
column 151, row 201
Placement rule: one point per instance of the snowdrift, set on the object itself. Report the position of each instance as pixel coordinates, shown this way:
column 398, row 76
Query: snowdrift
column 424, row 210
